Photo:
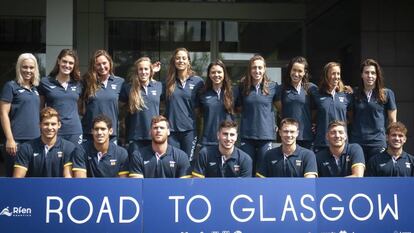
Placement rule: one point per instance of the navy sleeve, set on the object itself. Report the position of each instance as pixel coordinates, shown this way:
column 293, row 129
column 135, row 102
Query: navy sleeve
column 23, row 156
column 310, row 165
column 357, row 155
column 246, row 166
column 136, row 164
column 184, row 168
column 79, row 162
column 7, row 93
column 124, row 166
column 200, row 164
column 124, row 94
column 390, row 105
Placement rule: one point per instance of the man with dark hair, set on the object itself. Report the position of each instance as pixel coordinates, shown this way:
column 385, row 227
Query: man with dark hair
column 341, row 158
column 47, row 156
column 159, row 160
column 101, row 157
column 290, row 159
column 394, row 161
column 224, row 159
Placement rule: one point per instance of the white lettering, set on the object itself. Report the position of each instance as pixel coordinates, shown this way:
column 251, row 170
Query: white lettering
column 105, row 209
column 351, row 207
column 57, row 211
column 176, row 198
column 262, row 218
column 251, row 210
column 69, row 210
column 313, row 212
column 340, row 209
column 121, row 209
column 289, row 207
column 382, row 211
column 190, row 216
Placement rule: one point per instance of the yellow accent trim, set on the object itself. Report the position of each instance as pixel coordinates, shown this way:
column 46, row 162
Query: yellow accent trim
column 185, row 177
column 20, row 166
column 79, row 169
column 123, row 172
column 260, row 175
column 311, row 173
column 136, row 175
column 68, row 164
column 197, row 175
column 358, row 164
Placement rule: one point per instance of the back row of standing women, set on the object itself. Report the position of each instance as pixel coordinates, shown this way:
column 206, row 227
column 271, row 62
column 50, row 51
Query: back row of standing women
column 369, row 108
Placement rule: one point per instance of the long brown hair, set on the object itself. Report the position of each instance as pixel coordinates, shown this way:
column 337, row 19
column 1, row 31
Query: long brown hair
column 286, row 79
column 75, row 74
column 136, row 102
column 90, row 79
column 226, row 87
column 379, row 89
column 324, row 82
column 172, row 71
column 247, row 80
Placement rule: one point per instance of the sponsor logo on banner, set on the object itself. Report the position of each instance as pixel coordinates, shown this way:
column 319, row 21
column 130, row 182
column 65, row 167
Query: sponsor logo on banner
column 16, row 211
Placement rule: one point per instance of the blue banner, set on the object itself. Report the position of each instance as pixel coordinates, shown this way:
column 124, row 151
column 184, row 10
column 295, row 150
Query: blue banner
column 334, row 205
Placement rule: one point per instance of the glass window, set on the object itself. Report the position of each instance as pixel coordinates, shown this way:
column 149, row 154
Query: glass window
column 129, row 40
column 21, row 35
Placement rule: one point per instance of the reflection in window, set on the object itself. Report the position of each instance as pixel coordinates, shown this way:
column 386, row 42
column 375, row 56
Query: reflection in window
column 129, row 40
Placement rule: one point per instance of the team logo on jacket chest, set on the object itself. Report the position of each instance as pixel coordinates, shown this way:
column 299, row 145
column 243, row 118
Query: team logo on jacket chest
column 341, row 99
column 191, row 86
column 73, row 88
column 113, row 86
column 236, row 167
column 172, row 164
column 298, row 163
column 112, row 162
column 59, row 154
column 153, row 92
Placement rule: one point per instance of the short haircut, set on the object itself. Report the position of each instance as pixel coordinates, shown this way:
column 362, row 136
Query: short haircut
column 159, row 118
column 227, row 124
column 102, row 118
column 398, row 126
column 335, row 123
column 47, row 113
column 290, row 121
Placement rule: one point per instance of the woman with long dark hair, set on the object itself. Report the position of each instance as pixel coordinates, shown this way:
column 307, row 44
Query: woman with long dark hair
column 374, row 108
column 216, row 101
column 100, row 94
column 295, row 99
column 182, row 86
column 61, row 90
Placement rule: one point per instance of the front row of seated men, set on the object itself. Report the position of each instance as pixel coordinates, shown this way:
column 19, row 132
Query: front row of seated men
column 52, row 156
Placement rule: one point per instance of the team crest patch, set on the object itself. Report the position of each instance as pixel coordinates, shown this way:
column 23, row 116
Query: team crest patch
column 73, row 88
column 191, row 86
column 113, row 86
column 274, row 161
column 298, row 163
column 348, row 158
column 21, row 90
column 112, row 162
column 172, row 164
column 154, row 92
column 37, row 93
column 35, row 154
column 341, row 99
column 408, row 165
column 52, row 87
column 325, row 164
column 236, row 167
column 59, row 154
